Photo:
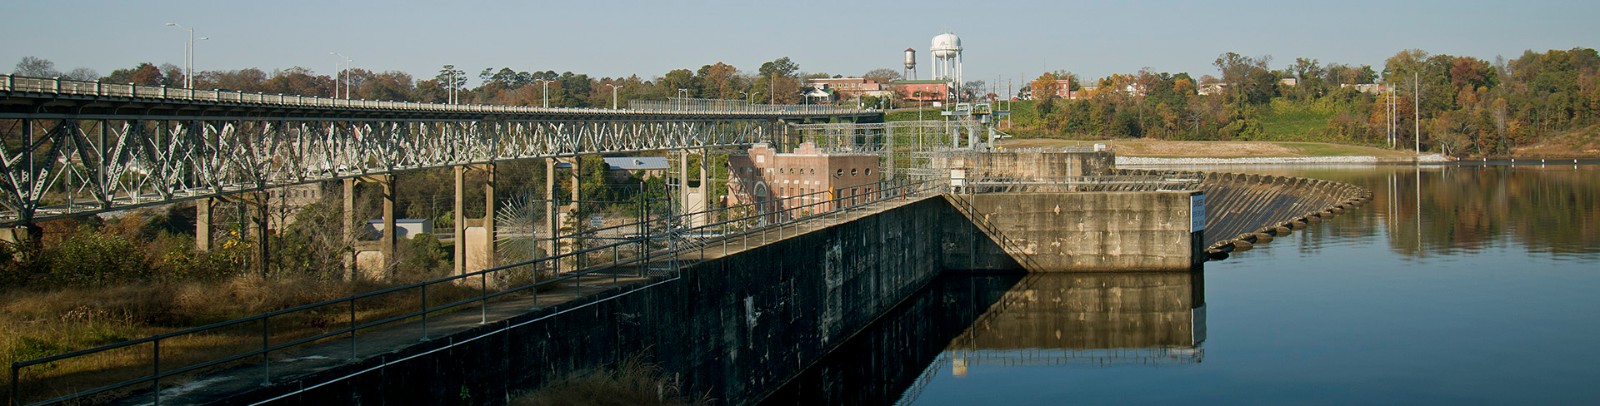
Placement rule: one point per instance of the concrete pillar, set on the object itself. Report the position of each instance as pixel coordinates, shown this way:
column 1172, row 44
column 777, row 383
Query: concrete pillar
column 387, row 243
column 705, row 189
column 683, row 181
column 349, row 228
column 549, row 243
column 571, row 244
column 458, row 254
column 489, row 208
column 202, row 225
column 263, row 238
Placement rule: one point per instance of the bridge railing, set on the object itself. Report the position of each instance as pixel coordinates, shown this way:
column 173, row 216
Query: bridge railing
column 251, row 346
column 24, row 84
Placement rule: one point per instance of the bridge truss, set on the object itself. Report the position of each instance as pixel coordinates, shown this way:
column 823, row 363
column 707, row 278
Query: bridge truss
column 63, row 166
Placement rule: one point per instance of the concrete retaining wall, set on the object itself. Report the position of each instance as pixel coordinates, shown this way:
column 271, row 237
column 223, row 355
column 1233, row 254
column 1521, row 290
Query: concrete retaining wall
column 732, row 328
column 1095, row 231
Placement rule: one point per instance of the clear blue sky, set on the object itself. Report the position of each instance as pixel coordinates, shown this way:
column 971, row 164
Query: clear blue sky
column 1015, row 39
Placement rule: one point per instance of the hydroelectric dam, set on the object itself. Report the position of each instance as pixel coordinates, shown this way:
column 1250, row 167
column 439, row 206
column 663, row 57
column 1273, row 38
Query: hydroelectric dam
column 732, row 316
column 741, row 317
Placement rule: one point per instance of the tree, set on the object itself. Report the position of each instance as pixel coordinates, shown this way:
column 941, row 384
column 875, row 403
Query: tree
column 782, row 67
column 881, row 75
column 718, row 81
column 36, row 67
column 83, row 74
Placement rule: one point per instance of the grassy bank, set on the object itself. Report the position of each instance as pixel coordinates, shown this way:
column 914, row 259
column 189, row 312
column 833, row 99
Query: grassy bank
column 1213, row 149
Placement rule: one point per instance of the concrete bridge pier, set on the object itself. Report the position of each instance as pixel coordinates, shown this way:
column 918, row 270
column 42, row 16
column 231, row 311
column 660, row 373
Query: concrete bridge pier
column 386, row 240
column 202, row 224
column 460, row 254
column 555, row 217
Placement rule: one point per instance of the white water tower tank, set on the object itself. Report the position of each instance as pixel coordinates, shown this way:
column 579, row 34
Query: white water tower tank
column 947, row 59
column 911, row 58
column 946, row 45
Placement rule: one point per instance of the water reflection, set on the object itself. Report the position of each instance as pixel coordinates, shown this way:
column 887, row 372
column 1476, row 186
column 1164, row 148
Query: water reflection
column 1435, row 211
column 1088, row 320
column 963, row 324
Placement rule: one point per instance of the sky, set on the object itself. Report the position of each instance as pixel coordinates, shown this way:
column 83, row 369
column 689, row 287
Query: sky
column 1003, row 40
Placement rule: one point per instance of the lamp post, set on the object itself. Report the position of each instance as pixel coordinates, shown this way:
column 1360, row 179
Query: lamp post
column 613, row 96
column 546, row 95
column 188, row 56
column 347, row 66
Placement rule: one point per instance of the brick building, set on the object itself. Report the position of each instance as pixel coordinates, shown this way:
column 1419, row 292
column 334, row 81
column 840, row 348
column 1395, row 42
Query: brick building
column 807, row 179
column 923, row 90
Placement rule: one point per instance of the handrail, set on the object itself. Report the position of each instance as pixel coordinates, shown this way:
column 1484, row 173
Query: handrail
column 836, row 207
column 25, row 84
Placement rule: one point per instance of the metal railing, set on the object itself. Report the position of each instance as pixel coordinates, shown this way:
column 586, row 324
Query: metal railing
column 1095, row 183
column 24, row 84
column 664, row 241
column 963, row 203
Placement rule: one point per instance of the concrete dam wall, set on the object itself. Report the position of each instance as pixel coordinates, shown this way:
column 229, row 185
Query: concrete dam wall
column 733, row 328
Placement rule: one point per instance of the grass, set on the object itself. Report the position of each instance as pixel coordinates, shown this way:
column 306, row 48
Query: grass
column 1295, row 124
column 41, row 324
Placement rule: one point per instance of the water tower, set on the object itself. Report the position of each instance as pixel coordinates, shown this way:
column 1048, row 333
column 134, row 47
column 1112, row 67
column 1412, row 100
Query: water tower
column 911, row 64
column 947, row 59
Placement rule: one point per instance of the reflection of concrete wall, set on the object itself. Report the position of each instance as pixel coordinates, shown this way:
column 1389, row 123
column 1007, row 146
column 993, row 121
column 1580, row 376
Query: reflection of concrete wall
column 1095, row 231
column 1092, row 311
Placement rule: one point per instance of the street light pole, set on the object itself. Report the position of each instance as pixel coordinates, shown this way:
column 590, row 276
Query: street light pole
column 346, row 75
column 188, row 56
column 546, row 93
column 347, row 66
column 613, row 95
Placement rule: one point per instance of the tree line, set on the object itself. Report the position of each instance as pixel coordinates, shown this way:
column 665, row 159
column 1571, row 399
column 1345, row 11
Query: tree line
column 1466, row 105
column 777, row 81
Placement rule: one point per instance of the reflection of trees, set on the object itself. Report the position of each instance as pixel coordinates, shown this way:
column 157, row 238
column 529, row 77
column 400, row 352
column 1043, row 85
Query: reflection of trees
column 1551, row 209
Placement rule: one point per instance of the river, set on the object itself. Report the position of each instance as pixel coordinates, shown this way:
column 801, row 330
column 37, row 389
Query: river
column 1454, row 284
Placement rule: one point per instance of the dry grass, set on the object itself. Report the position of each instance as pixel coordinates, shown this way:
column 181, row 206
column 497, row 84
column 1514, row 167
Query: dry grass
column 1212, row 149
column 1578, row 143
column 634, row 382
column 41, row 324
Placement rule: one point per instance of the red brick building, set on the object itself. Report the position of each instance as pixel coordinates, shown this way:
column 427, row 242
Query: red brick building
column 807, row 179
column 923, row 90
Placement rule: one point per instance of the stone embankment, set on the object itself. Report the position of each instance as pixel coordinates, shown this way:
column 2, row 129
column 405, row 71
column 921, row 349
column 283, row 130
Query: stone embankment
column 1247, row 209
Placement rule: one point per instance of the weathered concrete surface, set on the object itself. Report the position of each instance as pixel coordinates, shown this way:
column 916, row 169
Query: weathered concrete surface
column 1028, row 164
column 1094, row 231
column 732, row 327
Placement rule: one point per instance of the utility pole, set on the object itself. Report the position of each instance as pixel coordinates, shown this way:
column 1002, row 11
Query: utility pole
column 1416, row 110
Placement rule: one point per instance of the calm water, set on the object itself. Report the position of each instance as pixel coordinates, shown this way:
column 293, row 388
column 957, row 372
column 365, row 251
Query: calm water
column 1453, row 285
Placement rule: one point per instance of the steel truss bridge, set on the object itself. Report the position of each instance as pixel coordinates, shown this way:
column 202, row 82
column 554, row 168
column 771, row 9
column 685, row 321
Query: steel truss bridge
column 76, row 148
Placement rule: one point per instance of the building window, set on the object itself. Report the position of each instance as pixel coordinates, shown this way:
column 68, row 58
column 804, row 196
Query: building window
column 852, row 171
column 869, row 171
